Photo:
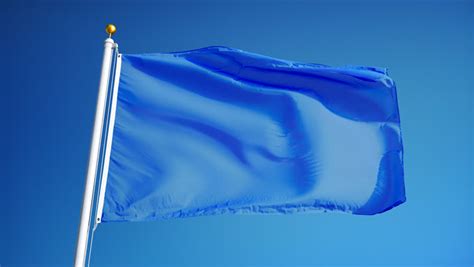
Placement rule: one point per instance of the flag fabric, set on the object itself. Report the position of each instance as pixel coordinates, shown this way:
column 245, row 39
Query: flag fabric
column 219, row 130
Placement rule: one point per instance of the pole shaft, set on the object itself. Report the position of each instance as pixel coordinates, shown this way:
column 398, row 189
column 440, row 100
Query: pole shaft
column 87, row 205
column 108, row 145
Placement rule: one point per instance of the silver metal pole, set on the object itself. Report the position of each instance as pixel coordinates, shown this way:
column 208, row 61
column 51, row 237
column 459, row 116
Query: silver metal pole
column 110, row 135
column 83, row 236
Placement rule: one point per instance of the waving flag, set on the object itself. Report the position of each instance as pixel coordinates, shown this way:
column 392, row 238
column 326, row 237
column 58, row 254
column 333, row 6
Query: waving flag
column 219, row 130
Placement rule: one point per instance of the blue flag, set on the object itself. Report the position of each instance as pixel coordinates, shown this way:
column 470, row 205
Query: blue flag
column 219, row 130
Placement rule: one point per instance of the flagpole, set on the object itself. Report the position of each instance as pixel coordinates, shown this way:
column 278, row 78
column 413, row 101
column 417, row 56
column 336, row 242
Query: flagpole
column 87, row 202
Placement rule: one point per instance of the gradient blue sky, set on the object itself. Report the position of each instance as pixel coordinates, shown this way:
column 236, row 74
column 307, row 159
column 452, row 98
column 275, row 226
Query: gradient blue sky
column 50, row 62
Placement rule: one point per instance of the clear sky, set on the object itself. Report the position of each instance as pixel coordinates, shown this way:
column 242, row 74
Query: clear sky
column 50, row 64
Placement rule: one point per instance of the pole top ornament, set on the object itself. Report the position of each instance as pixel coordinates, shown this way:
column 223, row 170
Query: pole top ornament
column 110, row 29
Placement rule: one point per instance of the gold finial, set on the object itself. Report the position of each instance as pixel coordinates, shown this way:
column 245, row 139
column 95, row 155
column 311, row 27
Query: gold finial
column 110, row 29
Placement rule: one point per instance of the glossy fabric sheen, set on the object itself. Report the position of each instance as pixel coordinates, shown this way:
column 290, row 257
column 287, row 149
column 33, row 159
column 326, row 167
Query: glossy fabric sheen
column 219, row 130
